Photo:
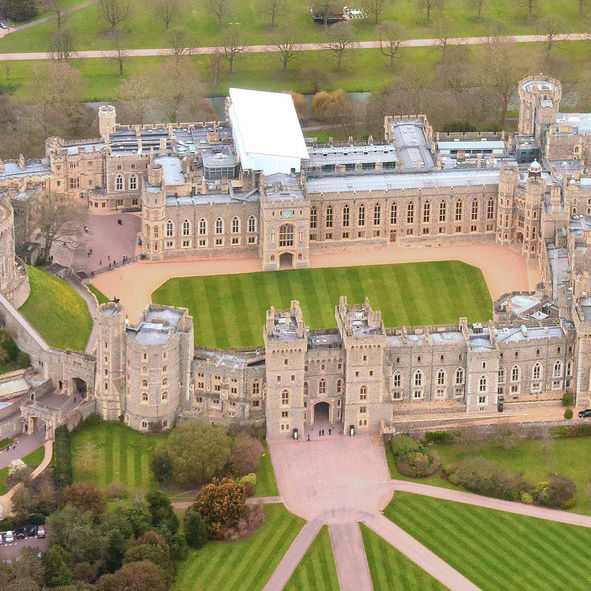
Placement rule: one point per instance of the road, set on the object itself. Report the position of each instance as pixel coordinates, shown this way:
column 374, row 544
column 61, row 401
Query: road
column 302, row 47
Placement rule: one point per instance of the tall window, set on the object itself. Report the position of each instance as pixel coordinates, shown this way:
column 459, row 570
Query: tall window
column 202, row 227
column 286, row 235
column 285, row 397
column 458, row 210
column 361, row 215
column 377, row 215
column 558, row 369
column 460, row 376
column 252, row 224
column 397, row 379
column 482, row 384
column 475, row 209
column 219, row 226
column 306, row 389
column 490, row 209
column 441, row 377
column 339, row 386
column 442, row 211
column 186, row 228
column 537, row 371
column 133, row 182
column 569, row 368
column 393, row 213
column 501, row 375
column 235, row 225
column 346, row 214
column 119, row 183
column 313, row 217
column 426, row 212
column 418, row 378
column 410, row 213
column 515, row 373
column 322, row 386
column 169, row 228
column 363, row 393
column 329, row 216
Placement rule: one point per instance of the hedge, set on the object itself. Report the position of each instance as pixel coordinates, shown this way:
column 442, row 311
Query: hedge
column 566, row 431
column 439, row 436
column 62, row 458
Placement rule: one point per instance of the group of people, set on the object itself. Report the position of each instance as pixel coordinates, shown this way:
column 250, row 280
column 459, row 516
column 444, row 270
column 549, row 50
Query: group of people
column 321, row 433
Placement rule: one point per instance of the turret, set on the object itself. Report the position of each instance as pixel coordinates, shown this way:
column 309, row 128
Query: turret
column 107, row 117
column 539, row 101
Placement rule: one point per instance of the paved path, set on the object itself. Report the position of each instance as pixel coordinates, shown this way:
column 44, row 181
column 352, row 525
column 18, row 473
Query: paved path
column 249, row 501
column 25, row 444
column 350, row 557
column 301, row 47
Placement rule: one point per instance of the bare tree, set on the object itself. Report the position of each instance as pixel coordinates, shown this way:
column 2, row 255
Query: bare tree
column 443, row 31
column 181, row 44
column 479, row 5
column 340, row 41
column 233, row 45
column 374, row 9
column 121, row 54
column 219, row 9
column 60, row 13
column 317, row 77
column 272, row 8
column 286, row 44
column 390, row 39
column 214, row 67
column 133, row 94
column 531, row 7
column 58, row 219
column 581, row 4
column 166, row 11
column 115, row 12
column 327, row 9
column 551, row 27
column 429, row 6
column 61, row 45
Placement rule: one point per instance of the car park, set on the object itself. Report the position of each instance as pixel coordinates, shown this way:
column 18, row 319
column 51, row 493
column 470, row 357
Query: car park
column 40, row 532
column 584, row 414
column 9, row 537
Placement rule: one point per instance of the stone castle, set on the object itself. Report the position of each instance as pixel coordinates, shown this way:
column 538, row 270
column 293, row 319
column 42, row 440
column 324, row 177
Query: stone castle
column 251, row 185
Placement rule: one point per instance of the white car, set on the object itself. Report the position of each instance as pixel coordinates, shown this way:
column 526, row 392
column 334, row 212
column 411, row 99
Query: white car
column 9, row 537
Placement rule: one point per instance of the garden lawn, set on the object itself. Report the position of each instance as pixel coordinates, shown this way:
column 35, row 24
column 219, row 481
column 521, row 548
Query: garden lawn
column 229, row 310
column 497, row 550
column 245, row 565
column 390, row 569
column 120, row 455
column 317, row 570
column 57, row 312
column 266, row 483
column 32, row 460
column 101, row 298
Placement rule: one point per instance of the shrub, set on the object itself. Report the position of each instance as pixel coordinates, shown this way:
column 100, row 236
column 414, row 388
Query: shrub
column 62, row 458
column 195, row 529
column 161, row 467
column 116, row 490
column 557, row 492
column 250, row 482
column 439, row 436
column 85, row 496
column 18, row 10
column 576, row 430
column 246, row 455
column 526, row 498
column 418, row 464
column 568, row 413
column 403, row 444
column 568, row 399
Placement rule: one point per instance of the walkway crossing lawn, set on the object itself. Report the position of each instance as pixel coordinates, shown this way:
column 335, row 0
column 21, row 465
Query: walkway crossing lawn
column 58, row 313
column 229, row 310
column 317, row 570
column 32, row 460
column 390, row 569
column 497, row 550
column 266, row 483
column 111, row 452
column 245, row 565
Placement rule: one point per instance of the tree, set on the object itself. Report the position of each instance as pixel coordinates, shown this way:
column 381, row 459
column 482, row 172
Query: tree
column 166, row 11
column 61, row 46
column 340, row 41
column 374, row 9
column 214, row 67
column 390, row 40
column 18, row 10
column 443, row 31
column 222, row 503
column 531, row 7
column 429, row 6
column 551, row 27
column 85, row 496
column 58, row 567
column 219, row 9
column 121, row 54
column 300, row 102
column 285, row 42
column 59, row 11
column 317, row 77
column 25, row 572
column 134, row 576
column 195, row 529
column 232, row 45
column 557, row 492
column 136, row 512
column 272, row 8
column 581, row 4
column 161, row 467
column 163, row 515
column 152, row 547
column 58, row 219
column 327, row 10
column 568, row 413
column 246, row 455
column 326, row 105
column 181, row 43
column 479, row 5
column 115, row 13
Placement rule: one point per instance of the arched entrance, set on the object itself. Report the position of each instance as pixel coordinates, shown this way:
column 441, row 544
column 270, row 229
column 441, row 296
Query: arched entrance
column 519, row 237
column 286, row 260
column 321, row 413
column 79, row 387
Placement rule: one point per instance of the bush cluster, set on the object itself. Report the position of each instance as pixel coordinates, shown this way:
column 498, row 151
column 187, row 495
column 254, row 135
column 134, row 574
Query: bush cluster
column 412, row 458
column 439, row 436
column 62, row 458
column 566, row 431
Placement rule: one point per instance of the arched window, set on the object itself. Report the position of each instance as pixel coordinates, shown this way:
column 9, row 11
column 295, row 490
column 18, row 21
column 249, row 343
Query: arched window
column 164, row 395
column 501, row 375
column 219, row 226
column 306, row 389
column 235, row 225
column 397, row 379
column 482, row 384
column 441, row 377
column 133, row 182
column 458, row 210
column 346, row 215
column 252, row 224
column 515, row 373
column 377, row 214
column 569, row 368
column 558, row 369
column 339, row 386
column 202, row 226
column 410, row 213
column 426, row 212
column 418, row 378
column 119, row 183
column 361, row 215
column 459, row 376
column 286, row 235
column 144, row 397
column 186, row 228
column 393, row 213
column 363, row 393
column 170, row 228
column 329, row 216
column 475, row 209
column 442, row 211
column 313, row 217
column 537, row 371
column 322, row 386
column 490, row 209
column 285, row 397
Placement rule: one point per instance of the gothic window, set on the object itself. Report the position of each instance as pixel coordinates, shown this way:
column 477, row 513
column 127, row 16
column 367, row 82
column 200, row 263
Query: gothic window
column 426, row 212
column 339, row 386
column 235, row 225
column 322, row 386
column 313, row 217
column 558, row 369
column 418, row 378
column 475, row 209
column 490, row 209
column 459, row 376
column 397, row 380
column 410, row 213
column 169, row 228
column 346, row 213
column 377, row 214
column 329, row 216
column 442, row 211
column 286, row 235
column 361, row 215
column 393, row 213
column 441, row 377
column 515, row 373
column 202, row 227
column 501, row 375
column 482, row 384
column 164, row 395
column 219, row 226
column 133, row 182
column 119, row 183
column 363, row 393
column 569, row 368
column 144, row 397
column 285, row 397
column 458, row 211
column 252, row 224
column 306, row 389
column 537, row 371
column 186, row 228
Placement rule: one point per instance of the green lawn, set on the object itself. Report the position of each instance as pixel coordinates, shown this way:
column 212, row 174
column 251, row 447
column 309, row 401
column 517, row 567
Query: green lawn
column 390, row 569
column 58, row 313
column 120, row 455
column 317, row 570
column 229, row 310
column 101, row 298
column 245, row 565
column 32, row 460
column 497, row 550
column 266, row 484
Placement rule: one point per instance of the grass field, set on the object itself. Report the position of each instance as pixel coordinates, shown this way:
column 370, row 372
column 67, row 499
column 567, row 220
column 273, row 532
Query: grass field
column 120, row 454
column 390, row 569
column 497, row 550
column 32, row 460
column 58, row 313
column 229, row 310
column 245, row 565
column 101, row 298
column 266, row 483
column 317, row 570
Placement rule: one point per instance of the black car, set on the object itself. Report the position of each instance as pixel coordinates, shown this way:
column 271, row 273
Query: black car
column 583, row 414
column 31, row 531
column 20, row 533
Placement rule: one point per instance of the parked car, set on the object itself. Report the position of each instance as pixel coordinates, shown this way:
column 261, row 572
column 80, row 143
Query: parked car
column 40, row 532
column 583, row 414
column 31, row 531
column 20, row 533
column 9, row 537
column 3, row 25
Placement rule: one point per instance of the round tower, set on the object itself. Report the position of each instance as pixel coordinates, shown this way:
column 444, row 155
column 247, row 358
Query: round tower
column 539, row 101
column 107, row 116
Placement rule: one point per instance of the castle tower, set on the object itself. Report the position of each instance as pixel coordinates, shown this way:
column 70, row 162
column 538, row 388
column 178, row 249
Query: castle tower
column 14, row 281
column 508, row 179
column 153, row 214
column 286, row 346
column 582, row 358
column 364, row 341
column 535, row 189
column 107, row 117
column 110, row 361
column 539, row 101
